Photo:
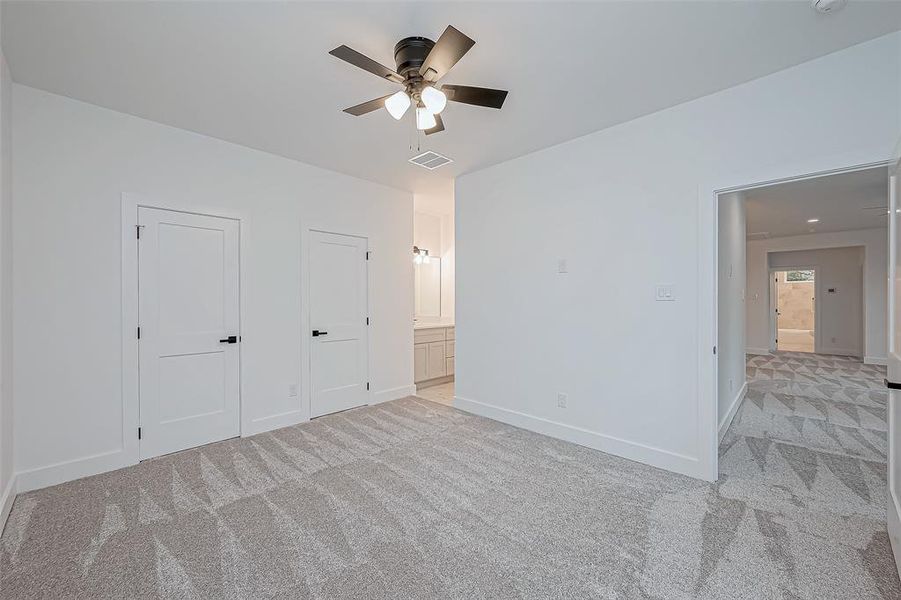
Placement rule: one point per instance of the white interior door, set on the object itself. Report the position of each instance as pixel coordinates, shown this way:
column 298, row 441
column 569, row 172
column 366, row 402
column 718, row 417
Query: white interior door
column 188, row 315
column 893, row 378
column 339, row 356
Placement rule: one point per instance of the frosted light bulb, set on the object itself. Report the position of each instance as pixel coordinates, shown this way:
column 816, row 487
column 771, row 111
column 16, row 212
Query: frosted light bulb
column 434, row 99
column 397, row 104
column 425, row 119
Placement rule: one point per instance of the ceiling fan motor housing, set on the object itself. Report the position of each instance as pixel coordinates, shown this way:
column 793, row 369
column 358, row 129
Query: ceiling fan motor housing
column 410, row 53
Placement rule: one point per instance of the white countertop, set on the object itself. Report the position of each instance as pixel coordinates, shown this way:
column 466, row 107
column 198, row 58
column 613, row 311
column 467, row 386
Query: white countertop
column 431, row 324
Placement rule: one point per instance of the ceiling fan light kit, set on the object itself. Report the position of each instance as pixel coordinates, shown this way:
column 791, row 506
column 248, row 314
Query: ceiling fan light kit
column 424, row 119
column 397, row 104
column 434, row 99
column 420, row 64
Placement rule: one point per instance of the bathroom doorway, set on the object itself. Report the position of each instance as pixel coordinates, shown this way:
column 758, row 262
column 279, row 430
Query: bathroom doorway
column 794, row 293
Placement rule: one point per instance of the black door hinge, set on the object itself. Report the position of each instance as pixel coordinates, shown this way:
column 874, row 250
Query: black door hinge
column 138, row 229
column 367, row 385
column 367, row 254
column 714, row 349
column 367, row 320
column 139, row 333
column 139, row 433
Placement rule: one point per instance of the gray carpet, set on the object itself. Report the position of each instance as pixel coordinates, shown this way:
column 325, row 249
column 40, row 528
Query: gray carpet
column 412, row 499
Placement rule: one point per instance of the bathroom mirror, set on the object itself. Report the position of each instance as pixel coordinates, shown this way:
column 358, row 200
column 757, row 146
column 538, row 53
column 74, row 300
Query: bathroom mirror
column 427, row 288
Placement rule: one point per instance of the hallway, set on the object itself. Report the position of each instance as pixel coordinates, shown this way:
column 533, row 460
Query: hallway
column 806, row 456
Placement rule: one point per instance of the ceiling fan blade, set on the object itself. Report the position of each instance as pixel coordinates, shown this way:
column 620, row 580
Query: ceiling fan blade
column 475, row 95
column 449, row 48
column 439, row 126
column 367, row 107
column 367, row 64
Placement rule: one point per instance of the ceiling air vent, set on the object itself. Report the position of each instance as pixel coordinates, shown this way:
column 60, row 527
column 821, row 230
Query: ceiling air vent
column 759, row 235
column 430, row 160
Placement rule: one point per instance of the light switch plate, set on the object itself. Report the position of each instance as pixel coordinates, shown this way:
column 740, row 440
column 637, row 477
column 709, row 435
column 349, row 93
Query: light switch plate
column 561, row 266
column 665, row 293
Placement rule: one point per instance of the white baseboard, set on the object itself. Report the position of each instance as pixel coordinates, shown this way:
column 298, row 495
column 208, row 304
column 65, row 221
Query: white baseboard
column 393, row 394
column 70, row 470
column 894, row 528
column 726, row 419
column 424, row 385
column 875, row 360
column 272, row 422
column 757, row 350
column 839, row 351
column 656, row 457
column 62, row 472
column 6, row 501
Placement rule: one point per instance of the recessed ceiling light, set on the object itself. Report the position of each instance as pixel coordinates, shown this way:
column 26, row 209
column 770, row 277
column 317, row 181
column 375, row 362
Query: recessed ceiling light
column 813, row 220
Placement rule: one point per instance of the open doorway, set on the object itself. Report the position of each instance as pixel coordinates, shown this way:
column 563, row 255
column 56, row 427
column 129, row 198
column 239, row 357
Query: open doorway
column 794, row 292
column 801, row 286
column 434, row 329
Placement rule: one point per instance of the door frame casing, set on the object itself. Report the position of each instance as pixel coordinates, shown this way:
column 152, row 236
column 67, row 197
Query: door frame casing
column 708, row 284
column 893, row 501
column 773, row 292
column 305, row 372
column 130, row 203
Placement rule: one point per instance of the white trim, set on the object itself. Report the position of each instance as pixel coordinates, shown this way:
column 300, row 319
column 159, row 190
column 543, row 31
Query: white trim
column 277, row 421
column 70, row 470
column 875, row 360
column 893, row 519
column 893, row 508
column 841, row 352
column 6, row 501
column 427, row 383
column 393, row 394
column 759, row 351
column 129, row 299
column 642, row 453
column 708, row 201
column 726, row 420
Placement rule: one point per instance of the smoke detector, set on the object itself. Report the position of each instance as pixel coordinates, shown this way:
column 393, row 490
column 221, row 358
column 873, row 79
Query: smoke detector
column 430, row 160
column 828, row 6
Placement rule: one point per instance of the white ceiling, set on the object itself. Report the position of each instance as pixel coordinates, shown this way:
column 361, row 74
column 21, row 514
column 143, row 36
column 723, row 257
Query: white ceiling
column 259, row 73
column 856, row 200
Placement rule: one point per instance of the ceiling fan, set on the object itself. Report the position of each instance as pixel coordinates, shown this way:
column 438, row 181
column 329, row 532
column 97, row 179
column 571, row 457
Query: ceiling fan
column 420, row 64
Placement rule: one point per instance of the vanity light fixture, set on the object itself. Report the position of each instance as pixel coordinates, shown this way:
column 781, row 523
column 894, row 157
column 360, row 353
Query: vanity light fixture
column 813, row 220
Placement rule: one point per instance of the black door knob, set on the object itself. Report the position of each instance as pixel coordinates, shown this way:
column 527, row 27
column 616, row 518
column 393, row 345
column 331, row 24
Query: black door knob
column 317, row 333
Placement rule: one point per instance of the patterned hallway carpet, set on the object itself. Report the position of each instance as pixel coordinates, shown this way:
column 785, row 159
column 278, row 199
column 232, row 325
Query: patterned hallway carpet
column 412, row 499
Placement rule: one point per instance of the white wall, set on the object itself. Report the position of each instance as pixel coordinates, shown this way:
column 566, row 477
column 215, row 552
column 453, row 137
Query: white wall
column 875, row 274
column 427, row 232
column 731, row 307
column 6, row 402
column 72, row 162
column 622, row 206
column 433, row 229
column 448, row 265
